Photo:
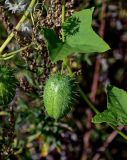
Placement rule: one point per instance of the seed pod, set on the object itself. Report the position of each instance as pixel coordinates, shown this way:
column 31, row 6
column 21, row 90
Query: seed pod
column 59, row 95
column 7, row 85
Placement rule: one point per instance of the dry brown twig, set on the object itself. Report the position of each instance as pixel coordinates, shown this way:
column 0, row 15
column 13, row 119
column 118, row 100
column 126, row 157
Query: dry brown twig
column 98, row 64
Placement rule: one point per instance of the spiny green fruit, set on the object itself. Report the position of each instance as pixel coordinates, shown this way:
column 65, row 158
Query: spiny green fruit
column 59, row 95
column 7, row 85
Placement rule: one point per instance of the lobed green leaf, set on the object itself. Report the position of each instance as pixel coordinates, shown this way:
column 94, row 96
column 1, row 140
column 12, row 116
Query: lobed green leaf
column 79, row 37
column 116, row 113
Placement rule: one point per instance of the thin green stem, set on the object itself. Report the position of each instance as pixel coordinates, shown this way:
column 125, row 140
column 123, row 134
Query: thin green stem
column 119, row 132
column 6, row 58
column 96, row 111
column 65, row 61
column 18, row 25
column 88, row 101
column 63, row 19
column 14, row 52
column 83, row 95
column 63, row 36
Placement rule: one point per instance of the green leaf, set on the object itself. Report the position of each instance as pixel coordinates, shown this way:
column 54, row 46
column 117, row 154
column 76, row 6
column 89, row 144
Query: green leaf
column 57, row 49
column 116, row 113
column 79, row 37
column 84, row 39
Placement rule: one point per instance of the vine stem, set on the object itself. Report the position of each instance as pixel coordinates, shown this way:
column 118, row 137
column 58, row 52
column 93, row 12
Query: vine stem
column 10, row 55
column 88, row 101
column 97, row 112
column 18, row 25
column 63, row 19
column 65, row 62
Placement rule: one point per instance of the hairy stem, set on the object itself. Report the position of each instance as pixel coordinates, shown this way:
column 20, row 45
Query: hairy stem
column 18, row 25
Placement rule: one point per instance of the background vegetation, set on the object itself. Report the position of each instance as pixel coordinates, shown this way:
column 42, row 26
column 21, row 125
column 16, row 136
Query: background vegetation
column 26, row 131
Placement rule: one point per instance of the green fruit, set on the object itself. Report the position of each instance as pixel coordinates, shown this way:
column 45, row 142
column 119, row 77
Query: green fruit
column 59, row 95
column 7, row 85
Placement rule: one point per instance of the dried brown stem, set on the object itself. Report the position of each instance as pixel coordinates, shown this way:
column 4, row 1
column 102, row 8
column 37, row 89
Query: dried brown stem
column 98, row 64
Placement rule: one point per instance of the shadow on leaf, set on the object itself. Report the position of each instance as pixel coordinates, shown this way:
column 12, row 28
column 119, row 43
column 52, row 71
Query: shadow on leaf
column 71, row 26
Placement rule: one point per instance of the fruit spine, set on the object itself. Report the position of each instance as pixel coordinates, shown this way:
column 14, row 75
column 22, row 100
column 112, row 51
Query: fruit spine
column 7, row 85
